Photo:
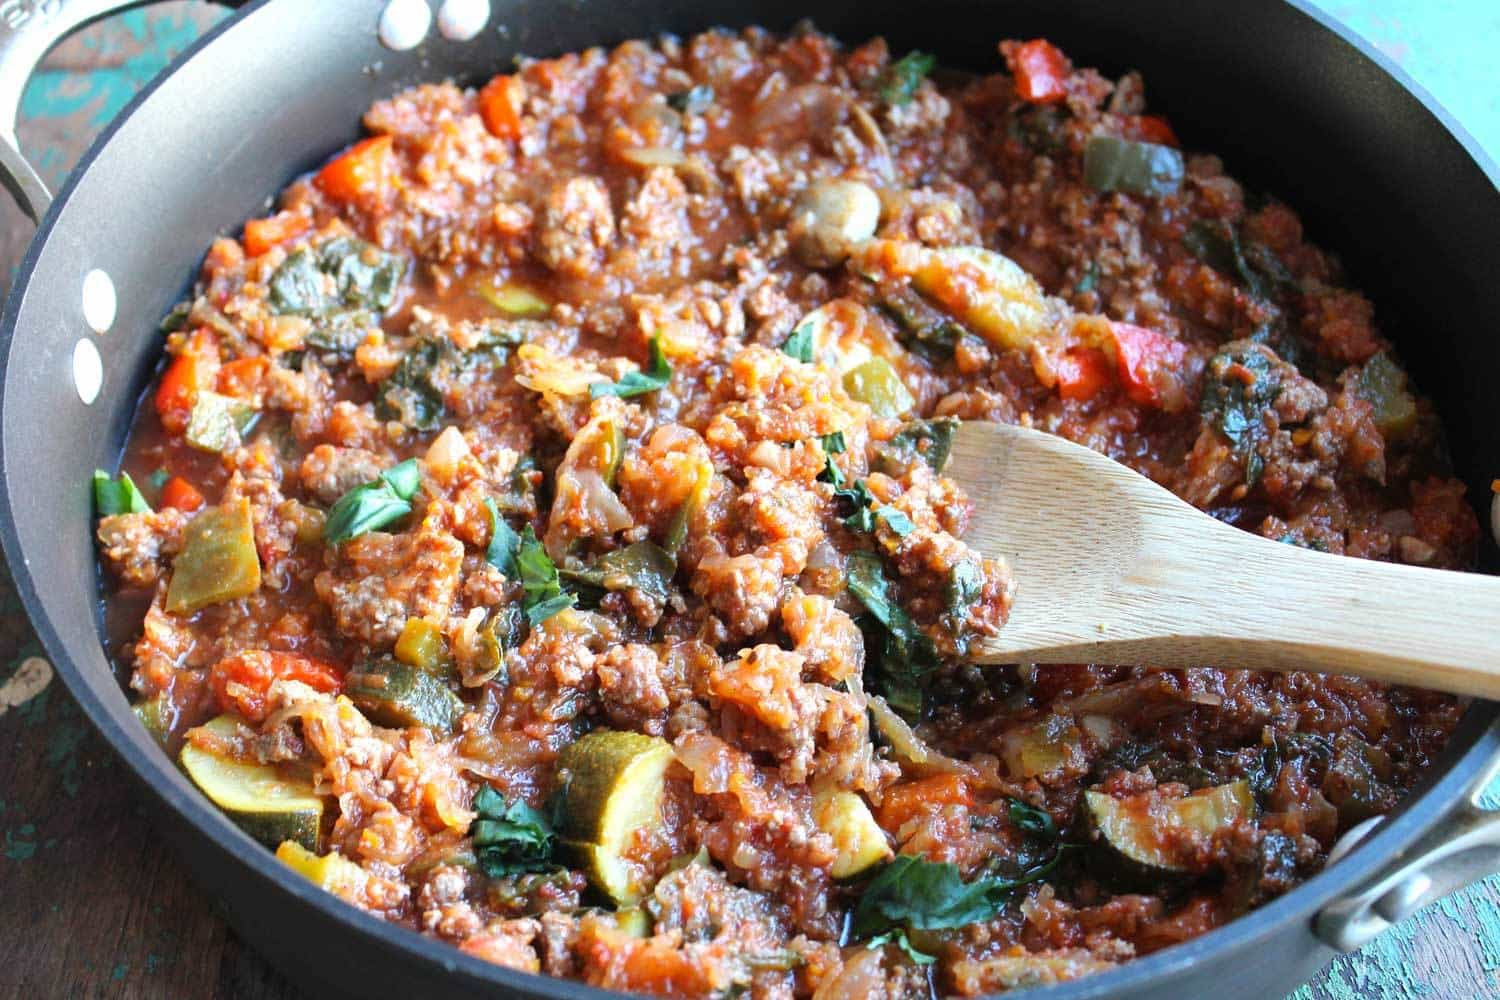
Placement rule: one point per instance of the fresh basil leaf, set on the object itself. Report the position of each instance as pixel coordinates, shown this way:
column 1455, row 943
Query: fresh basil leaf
column 906, row 656
column 857, row 501
column 833, row 444
column 899, row 82
column 542, row 590
column 638, row 383
column 867, row 581
column 912, row 892
column 799, row 344
column 404, row 478
column 374, row 505
column 1031, row 820
column 117, row 496
column 510, row 838
column 964, row 587
column 504, row 542
column 864, row 513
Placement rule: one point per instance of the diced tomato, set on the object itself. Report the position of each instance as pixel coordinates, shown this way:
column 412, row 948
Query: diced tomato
column 241, row 682
column 241, row 378
column 1150, row 128
column 1150, row 366
column 263, row 234
column 500, row 104
column 1082, row 373
column 1041, row 72
column 182, row 380
column 361, row 174
column 908, row 799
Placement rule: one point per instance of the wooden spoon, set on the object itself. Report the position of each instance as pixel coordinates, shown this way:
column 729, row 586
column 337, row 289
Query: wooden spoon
column 1112, row 568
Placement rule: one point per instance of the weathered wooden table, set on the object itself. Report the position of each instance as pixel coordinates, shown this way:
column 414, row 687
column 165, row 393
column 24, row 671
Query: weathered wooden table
column 93, row 905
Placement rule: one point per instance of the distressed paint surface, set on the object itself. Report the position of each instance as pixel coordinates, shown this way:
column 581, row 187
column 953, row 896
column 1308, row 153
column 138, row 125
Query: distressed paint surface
column 108, row 912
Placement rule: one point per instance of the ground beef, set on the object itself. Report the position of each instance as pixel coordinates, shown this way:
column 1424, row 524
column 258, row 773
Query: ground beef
column 559, row 416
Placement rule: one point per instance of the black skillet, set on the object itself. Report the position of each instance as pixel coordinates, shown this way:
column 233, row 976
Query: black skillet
column 1294, row 106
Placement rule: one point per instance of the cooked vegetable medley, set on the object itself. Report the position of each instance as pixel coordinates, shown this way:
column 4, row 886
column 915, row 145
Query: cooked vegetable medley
column 538, row 536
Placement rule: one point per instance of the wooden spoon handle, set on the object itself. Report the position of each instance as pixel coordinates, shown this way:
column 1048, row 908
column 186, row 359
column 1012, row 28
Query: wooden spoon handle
column 1246, row 602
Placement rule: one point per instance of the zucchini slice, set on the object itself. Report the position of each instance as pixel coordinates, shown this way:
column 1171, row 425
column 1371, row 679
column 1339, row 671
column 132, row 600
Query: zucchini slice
column 394, row 694
column 857, row 838
column 1159, row 833
column 611, row 787
column 258, row 797
column 331, row 872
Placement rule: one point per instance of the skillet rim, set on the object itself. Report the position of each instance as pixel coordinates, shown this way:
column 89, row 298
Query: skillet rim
column 1474, row 746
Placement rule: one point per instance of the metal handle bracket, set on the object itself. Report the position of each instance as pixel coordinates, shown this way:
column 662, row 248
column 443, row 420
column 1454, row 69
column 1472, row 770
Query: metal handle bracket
column 1463, row 848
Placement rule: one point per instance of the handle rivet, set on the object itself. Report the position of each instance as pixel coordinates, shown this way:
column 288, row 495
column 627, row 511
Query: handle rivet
column 88, row 371
column 404, row 23
column 461, row 20
column 98, row 301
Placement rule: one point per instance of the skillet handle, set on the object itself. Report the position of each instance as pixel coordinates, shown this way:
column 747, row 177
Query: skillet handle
column 1462, row 848
column 28, row 29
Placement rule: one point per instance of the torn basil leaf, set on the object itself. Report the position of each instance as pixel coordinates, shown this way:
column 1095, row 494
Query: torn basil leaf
column 504, row 542
column 374, row 505
column 905, row 657
column 540, row 584
column 638, row 383
column 799, row 344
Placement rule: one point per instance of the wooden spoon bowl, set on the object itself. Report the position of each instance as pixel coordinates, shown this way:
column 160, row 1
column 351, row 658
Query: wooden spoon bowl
column 1112, row 568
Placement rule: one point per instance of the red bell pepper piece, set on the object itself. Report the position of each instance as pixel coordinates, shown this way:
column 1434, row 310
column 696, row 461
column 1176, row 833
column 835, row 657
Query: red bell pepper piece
column 241, row 682
column 263, row 234
column 500, row 105
column 181, row 494
column 360, row 174
column 181, row 381
column 1082, row 373
column 1041, row 72
column 1148, row 363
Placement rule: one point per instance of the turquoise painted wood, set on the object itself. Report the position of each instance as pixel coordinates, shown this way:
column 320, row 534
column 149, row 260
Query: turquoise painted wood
column 1450, row 950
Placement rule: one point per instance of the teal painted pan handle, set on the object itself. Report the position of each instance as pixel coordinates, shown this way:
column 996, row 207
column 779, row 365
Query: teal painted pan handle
column 28, row 29
column 1463, row 847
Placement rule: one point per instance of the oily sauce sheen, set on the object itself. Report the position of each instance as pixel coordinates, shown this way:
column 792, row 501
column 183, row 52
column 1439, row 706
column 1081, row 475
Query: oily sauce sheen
column 545, row 505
